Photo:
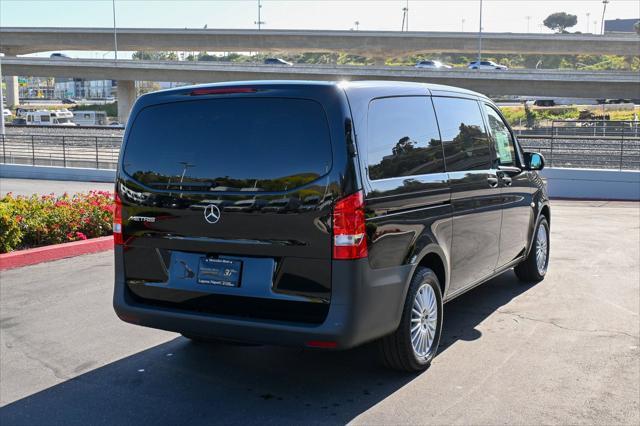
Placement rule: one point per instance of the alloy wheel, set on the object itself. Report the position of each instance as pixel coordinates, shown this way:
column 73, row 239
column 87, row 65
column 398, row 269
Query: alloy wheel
column 424, row 320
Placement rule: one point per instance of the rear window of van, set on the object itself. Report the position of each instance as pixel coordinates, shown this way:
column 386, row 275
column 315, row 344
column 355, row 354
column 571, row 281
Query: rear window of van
column 262, row 144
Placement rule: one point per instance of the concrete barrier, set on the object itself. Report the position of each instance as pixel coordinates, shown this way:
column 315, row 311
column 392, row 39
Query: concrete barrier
column 562, row 183
column 593, row 184
column 19, row 171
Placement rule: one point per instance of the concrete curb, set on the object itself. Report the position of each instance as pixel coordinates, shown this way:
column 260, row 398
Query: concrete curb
column 21, row 171
column 36, row 255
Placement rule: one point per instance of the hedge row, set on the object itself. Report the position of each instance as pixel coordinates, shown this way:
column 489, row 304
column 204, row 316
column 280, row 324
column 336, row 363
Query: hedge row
column 27, row 222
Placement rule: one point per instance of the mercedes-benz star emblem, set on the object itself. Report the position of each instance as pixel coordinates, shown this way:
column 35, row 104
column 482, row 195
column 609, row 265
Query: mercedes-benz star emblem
column 212, row 213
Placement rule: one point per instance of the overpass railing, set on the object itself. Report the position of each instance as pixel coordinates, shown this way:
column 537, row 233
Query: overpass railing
column 621, row 152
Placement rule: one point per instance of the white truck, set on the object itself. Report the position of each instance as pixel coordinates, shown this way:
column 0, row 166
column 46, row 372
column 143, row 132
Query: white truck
column 90, row 118
column 60, row 117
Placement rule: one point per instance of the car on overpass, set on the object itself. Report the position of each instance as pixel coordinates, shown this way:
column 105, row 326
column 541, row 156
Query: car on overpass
column 277, row 61
column 430, row 64
column 353, row 212
column 58, row 55
column 486, row 65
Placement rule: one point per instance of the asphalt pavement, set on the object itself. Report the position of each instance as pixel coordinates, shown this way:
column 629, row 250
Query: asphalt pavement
column 564, row 351
column 58, row 187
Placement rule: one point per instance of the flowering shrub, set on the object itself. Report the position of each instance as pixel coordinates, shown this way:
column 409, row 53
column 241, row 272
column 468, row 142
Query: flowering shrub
column 34, row 221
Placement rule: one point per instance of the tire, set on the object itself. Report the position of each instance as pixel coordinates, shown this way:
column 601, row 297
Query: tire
column 529, row 271
column 397, row 350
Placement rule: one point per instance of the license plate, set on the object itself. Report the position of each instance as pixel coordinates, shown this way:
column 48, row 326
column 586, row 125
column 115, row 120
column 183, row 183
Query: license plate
column 223, row 272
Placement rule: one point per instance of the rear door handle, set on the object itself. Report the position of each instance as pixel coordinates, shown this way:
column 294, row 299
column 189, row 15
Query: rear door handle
column 493, row 181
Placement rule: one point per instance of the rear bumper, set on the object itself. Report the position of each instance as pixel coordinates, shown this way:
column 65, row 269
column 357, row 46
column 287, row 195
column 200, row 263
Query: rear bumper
column 365, row 304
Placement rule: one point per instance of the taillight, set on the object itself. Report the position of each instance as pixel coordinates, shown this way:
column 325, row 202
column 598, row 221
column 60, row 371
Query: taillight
column 349, row 236
column 117, row 222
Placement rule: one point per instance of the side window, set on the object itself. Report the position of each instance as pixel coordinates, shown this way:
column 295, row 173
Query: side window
column 502, row 138
column 466, row 144
column 403, row 138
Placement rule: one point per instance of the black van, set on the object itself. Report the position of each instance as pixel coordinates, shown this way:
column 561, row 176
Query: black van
column 319, row 214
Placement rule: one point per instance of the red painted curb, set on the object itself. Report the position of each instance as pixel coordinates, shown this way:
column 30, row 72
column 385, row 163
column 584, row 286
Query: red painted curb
column 32, row 256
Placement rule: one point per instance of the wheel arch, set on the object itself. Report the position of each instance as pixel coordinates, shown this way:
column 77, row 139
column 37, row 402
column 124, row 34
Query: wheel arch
column 434, row 258
column 546, row 212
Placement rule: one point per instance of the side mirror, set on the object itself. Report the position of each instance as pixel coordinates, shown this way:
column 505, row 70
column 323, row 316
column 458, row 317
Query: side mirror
column 533, row 161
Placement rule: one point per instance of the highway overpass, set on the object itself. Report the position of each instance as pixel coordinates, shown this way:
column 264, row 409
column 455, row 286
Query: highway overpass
column 381, row 44
column 567, row 83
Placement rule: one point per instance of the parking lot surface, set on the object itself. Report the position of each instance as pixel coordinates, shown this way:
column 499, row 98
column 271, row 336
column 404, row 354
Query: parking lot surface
column 564, row 351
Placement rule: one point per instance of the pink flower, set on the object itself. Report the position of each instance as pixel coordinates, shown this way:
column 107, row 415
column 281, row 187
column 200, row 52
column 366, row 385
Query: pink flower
column 81, row 235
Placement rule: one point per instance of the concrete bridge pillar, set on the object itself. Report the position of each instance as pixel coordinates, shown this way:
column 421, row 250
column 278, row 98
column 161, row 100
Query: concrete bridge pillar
column 126, row 98
column 12, row 94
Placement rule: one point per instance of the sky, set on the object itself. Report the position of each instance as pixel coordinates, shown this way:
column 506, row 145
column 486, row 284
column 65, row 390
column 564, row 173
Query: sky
column 424, row 15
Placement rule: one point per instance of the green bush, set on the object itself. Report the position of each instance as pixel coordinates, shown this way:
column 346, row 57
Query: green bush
column 111, row 109
column 34, row 221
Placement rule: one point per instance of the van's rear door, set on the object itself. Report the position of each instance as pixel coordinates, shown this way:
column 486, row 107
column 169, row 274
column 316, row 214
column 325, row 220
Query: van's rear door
column 240, row 178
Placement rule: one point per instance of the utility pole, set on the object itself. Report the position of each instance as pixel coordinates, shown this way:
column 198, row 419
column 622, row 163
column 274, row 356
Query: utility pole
column 588, row 15
column 480, row 39
column 463, row 21
column 528, row 22
column 259, row 22
column 115, row 33
column 604, row 10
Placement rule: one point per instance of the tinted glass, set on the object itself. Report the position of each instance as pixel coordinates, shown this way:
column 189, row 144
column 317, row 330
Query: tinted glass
column 501, row 137
column 403, row 138
column 466, row 145
column 229, row 144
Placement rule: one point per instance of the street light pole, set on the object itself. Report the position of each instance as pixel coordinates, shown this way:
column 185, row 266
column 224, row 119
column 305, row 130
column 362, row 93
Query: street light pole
column 480, row 39
column 604, row 9
column 407, row 15
column 528, row 22
column 588, row 14
column 1, row 104
column 259, row 22
column 463, row 21
column 115, row 33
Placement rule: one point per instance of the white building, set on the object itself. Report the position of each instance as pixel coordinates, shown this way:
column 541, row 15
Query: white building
column 85, row 89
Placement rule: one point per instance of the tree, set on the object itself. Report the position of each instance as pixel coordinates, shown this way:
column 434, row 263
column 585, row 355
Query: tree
column 560, row 21
column 636, row 26
column 154, row 56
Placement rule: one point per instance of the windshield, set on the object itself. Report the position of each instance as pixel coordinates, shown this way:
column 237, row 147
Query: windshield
column 259, row 144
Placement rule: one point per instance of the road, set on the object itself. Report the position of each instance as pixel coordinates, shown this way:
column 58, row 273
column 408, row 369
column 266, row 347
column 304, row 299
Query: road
column 58, row 187
column 564, row 351
column 523, row 82
column 23, row 40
